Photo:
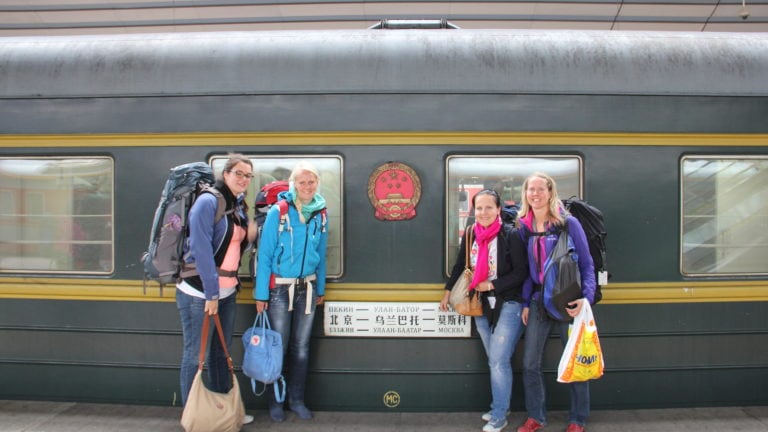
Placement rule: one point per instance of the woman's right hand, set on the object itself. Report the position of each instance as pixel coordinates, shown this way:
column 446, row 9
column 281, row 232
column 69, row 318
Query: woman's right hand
column 444, row 301
column 261, row 306
column 524, row 315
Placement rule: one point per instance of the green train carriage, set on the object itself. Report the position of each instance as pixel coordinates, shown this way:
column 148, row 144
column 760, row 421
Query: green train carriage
column 664, row 132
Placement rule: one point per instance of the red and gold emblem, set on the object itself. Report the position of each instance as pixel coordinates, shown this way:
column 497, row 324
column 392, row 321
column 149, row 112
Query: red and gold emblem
column 394, row 190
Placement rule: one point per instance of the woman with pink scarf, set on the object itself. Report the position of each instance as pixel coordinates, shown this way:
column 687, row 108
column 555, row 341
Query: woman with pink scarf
column 498, row 258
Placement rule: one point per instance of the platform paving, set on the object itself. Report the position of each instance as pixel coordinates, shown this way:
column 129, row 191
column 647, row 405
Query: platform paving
column 38, row 416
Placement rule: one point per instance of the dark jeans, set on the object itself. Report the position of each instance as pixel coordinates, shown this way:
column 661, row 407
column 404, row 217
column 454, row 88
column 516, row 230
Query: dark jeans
column 191, row 310
column 295, row 328
column 536, row 335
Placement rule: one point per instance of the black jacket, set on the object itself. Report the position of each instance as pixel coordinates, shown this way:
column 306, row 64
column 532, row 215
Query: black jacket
column 512, row 272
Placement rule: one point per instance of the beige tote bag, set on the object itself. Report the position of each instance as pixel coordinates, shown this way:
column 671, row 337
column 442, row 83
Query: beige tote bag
column 209, row 411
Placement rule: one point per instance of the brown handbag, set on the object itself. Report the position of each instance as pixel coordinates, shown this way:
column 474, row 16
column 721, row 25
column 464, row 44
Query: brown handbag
column 461, row 299
column 206, row 410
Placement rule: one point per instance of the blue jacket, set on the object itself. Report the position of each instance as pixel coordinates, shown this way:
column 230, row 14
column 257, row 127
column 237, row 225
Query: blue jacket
column 207, row 240
column 586, row 266
column 293, row 253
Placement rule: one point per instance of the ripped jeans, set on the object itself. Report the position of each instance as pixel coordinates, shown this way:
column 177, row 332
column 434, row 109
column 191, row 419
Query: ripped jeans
column 500, row 346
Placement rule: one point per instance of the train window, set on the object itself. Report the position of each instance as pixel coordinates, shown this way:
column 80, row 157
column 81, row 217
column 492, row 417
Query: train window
column 56, row 215
column 724, row 212
column 270, row 168
column 467, row 175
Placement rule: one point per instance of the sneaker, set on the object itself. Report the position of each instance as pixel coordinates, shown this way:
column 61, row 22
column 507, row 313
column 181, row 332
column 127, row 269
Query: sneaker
column 530, row 425
column 276, row 413
column 247, row 419
column 495, row 425
column 487, row 416
column 573, row 427
column 302, row 411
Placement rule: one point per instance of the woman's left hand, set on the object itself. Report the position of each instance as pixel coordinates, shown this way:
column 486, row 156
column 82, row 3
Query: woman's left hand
column 574, row 307
column 211, row 307
column 320, row 300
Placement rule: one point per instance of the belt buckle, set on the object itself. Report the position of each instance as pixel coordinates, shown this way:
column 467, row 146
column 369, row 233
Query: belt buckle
column 301, row 284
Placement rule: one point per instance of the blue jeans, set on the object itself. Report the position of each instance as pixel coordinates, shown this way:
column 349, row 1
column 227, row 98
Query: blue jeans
column 295, row 328
column 499, row 346
column 191, row 310
column 536, row 335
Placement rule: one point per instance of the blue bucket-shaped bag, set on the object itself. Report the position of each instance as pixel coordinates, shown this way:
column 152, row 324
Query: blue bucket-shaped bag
column 263, row 359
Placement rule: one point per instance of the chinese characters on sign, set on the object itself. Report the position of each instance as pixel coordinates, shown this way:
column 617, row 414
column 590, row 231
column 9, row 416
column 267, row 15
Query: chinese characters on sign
column 393, row 320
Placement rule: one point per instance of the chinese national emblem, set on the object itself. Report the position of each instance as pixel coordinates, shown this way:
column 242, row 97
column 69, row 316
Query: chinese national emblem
column 394, row 190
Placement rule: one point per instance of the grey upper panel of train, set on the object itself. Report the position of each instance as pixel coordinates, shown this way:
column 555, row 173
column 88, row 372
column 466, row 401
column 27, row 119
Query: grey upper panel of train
column 385, row 61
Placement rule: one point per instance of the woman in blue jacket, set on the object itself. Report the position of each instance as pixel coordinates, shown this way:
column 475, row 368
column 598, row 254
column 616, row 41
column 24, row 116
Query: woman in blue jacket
column 541, row 218
column 209, row 278
column 290, row 278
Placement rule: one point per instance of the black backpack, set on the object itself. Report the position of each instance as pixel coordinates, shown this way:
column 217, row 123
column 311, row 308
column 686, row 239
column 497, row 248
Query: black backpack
column 593, row 223
column 509, row 213
column 164, row 259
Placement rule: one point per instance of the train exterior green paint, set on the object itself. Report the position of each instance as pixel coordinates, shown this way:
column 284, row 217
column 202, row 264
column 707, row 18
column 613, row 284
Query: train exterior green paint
column 631, row 106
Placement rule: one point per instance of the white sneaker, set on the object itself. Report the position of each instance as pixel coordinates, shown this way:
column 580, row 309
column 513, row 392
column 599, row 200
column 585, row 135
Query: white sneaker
column 487, row 416
column 247, row 419
column 495, row 426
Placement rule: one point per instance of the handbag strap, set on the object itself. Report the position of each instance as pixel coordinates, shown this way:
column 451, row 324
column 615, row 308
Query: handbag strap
column 261, row 322
column 204, row 342
column 278, row 387
column 264, row 320
column 468, row 244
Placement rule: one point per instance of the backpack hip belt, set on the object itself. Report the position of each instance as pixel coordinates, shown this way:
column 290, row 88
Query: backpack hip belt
column 190, row 269
column 292, row 282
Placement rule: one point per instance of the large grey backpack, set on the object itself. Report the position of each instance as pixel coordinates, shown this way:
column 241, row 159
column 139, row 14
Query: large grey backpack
column 164, row 257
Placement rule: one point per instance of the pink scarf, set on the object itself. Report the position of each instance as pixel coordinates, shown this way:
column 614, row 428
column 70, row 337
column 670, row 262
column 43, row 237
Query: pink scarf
column 484, row 236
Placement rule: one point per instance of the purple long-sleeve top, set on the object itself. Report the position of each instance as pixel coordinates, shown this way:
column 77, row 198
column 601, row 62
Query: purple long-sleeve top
column 548, row 241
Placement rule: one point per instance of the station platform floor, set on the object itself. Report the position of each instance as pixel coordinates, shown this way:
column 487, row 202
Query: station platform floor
column 41, row 416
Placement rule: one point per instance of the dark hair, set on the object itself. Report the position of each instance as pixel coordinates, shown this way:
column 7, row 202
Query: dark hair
column 234, row 159
column 490, row 192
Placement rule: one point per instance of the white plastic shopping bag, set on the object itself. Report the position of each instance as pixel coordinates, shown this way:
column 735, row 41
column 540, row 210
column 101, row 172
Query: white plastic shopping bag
column 582, row 358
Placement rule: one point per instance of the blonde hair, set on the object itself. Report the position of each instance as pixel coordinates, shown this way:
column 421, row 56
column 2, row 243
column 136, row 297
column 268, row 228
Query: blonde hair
column 304, row 166
column 300, row 168
column 556, row 210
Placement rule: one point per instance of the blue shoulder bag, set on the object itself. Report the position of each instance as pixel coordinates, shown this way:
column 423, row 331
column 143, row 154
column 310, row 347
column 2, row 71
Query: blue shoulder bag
column 263, row 359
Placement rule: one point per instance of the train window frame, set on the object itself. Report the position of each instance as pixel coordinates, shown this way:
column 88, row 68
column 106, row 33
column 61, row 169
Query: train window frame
column 523, row 166
column 728, row 210
column 88, row 177
column 332, row 190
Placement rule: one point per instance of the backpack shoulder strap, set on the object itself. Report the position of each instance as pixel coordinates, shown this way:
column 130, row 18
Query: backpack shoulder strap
column 284, row 218
column 323, row 218
column 221, row 203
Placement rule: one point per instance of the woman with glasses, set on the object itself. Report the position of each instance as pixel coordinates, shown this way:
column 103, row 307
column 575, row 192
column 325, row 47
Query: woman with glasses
column 209, row 277
column 290, row 278
column 497, row 256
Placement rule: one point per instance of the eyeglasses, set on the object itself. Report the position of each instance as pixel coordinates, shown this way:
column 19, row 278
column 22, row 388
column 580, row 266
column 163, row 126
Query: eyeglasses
column 241, row 175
